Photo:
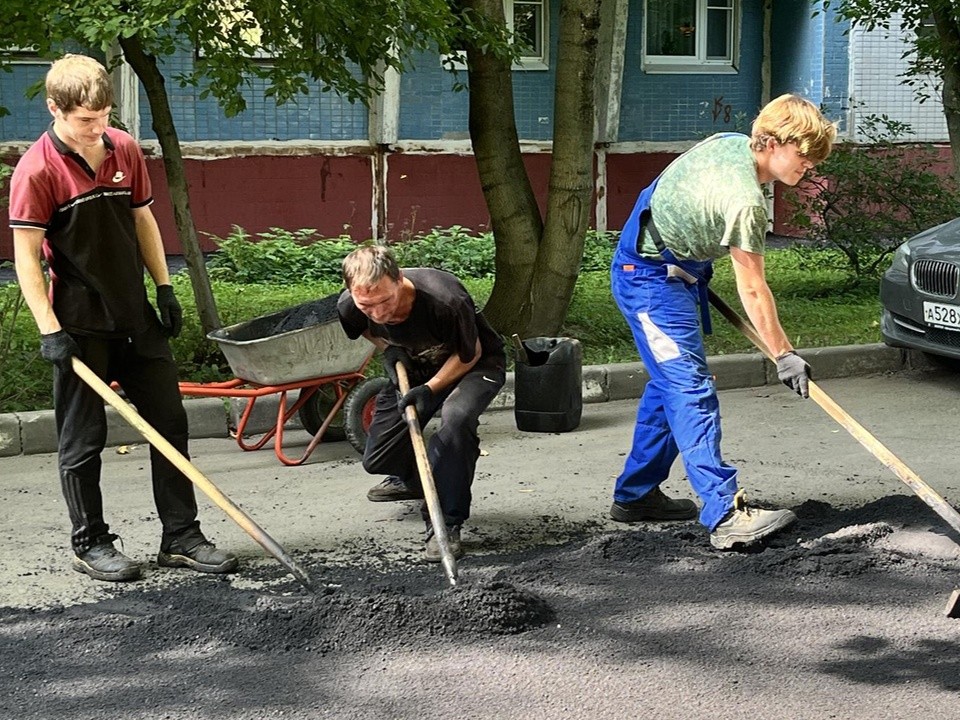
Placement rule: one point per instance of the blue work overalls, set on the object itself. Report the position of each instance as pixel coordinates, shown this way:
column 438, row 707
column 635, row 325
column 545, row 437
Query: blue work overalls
column 679, row 411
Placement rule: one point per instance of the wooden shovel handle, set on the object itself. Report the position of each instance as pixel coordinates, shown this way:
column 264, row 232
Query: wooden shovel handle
column 437, row 521
column 926, row 493
column 190, row 471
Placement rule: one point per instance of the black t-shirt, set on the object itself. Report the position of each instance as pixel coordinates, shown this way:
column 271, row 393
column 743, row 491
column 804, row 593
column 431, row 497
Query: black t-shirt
column 443, row 320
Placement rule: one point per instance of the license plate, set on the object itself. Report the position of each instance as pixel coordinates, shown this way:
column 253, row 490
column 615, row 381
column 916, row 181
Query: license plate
column 942, row 316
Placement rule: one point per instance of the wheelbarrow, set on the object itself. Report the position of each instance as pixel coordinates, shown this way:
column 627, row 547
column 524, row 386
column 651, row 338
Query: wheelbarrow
column 304, row 349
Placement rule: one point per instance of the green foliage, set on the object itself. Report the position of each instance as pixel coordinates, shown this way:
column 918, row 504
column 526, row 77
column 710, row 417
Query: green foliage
column 5, row 172
column 453, row 249
column 25, row 378
column 296, row 46
column 928, row 50
column 864, row 201
column 278, row 256
column 276, row 269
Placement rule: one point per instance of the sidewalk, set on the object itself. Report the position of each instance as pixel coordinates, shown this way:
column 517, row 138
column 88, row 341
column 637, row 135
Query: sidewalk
column 34, row 432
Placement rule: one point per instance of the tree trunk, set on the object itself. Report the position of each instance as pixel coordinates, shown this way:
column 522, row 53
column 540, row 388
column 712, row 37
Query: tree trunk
column 514, row 215
column 569, row 202
column 948, row 30
column 145, row 66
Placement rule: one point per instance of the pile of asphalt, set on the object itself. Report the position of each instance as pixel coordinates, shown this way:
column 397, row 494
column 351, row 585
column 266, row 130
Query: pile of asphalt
column 230, row 643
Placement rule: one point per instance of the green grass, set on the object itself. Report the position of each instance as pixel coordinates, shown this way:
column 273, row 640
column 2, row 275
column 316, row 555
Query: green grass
column 818, row 307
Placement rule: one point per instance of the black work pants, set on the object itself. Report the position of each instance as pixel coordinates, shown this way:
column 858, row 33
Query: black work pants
column 143, row 366
column 455, row 446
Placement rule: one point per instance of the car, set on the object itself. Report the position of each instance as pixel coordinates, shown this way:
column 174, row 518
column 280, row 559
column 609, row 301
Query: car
column 920, row 293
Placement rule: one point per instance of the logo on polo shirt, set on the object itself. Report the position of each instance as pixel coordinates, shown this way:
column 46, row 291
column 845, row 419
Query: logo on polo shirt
column 118, row 176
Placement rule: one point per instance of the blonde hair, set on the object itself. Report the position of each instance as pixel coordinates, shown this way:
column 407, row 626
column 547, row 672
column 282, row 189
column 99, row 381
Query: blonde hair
column 367, row 266
column 78, row 80
column 793, row 119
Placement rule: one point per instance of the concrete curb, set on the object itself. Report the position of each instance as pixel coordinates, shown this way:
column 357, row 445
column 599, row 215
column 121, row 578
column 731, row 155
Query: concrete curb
column 35, row 432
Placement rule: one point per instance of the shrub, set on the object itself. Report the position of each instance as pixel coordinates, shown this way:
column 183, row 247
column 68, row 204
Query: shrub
column 453, row 249
column 278, row 256
column 865, row 201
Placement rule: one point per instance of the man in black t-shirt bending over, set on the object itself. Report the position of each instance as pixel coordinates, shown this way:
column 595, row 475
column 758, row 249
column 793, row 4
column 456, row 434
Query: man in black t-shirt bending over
column 425, row 319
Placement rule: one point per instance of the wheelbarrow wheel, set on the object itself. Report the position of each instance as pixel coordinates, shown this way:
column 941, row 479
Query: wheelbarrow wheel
column 315, row 410
column 358, row 410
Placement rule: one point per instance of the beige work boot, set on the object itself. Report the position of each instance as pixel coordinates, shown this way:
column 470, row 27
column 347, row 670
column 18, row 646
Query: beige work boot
column 748, row 525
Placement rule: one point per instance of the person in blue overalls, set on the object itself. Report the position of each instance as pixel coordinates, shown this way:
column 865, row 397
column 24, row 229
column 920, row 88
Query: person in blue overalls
column 708, row 203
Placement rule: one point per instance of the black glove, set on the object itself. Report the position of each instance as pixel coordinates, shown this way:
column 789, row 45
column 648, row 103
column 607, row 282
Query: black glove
column 171, row 314
column 391, row 356
column 421, row 397
column 58, row 347
column 794, row 372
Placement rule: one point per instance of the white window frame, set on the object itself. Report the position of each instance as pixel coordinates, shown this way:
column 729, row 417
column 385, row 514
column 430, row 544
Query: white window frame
column 699, row 63
column 17, row 55
column 458, row 60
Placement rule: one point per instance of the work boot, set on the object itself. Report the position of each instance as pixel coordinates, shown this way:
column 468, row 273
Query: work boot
column 393, row 489
column 653, row 506
column 431, row 552
column 104, row 562
column 203, row 557
column 745, row 525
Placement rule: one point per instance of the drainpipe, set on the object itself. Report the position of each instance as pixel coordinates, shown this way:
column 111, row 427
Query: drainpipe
column 610, row 60
column 383, row 121
column 127, row 88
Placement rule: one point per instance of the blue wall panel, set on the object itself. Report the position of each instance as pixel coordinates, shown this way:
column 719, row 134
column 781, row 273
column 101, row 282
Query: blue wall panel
column 28, row 118
column 666, row 107
column 314, row 117
column 431, row 110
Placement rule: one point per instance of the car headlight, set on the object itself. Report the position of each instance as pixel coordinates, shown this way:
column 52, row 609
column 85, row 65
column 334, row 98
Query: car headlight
column 901, row 259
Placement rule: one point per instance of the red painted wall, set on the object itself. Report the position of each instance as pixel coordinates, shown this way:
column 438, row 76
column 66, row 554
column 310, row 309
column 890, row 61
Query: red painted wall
column 435, row 190
column 627, row 175
column 333, row 194
column 329, row 193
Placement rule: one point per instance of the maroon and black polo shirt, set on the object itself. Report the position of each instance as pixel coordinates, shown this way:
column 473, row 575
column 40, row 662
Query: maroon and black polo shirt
column 90, row 245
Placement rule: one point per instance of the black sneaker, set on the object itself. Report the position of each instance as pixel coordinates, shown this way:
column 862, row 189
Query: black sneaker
column 204, row 557
column 393, row 489
column 104, row 562
column 654, row 506
column 431, row 551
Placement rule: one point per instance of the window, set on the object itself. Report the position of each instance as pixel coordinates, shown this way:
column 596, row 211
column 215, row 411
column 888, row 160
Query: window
column 527, row 19
column 691, row 36
column 16, row 55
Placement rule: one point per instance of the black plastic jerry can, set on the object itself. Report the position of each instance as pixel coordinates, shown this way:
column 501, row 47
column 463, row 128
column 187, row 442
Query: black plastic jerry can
column 548, row 385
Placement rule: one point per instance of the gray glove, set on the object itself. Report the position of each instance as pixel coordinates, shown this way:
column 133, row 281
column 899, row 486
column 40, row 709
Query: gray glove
column 391, row 356
column 794, row 372
column 171, row 314
column 58, row 348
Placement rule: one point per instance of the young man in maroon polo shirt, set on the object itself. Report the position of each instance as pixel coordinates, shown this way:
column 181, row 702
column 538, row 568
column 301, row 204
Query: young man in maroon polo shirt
column 80, row 197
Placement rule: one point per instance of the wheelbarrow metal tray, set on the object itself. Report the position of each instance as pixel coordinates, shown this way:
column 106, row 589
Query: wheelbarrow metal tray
column 299, row 343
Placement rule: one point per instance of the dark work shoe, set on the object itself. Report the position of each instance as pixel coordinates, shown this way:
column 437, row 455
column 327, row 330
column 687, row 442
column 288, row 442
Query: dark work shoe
column 746, row 525
column 204, row 557
column 104, row 562
column 393, row 489
column 654, row 506
column 431, row 552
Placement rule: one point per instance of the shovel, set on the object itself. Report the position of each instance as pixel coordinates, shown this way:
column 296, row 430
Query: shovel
column 426, row 479
column 190, row 471
column 876, row 448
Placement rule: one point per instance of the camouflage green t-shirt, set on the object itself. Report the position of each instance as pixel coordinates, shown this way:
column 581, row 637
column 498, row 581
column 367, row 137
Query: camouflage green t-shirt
column 709, row 200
